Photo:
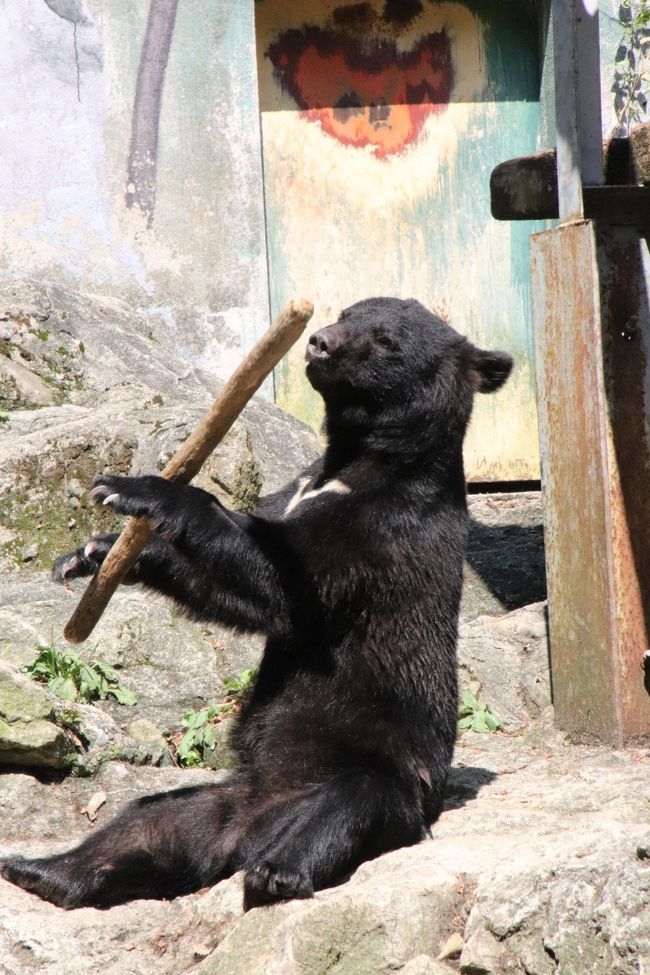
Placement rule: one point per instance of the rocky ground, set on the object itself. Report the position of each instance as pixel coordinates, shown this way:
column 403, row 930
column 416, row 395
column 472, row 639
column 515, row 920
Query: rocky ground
column 541, row 860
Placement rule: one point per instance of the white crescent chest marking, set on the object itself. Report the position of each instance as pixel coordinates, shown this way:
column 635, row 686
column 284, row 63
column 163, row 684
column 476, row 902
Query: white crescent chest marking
column 335, row 486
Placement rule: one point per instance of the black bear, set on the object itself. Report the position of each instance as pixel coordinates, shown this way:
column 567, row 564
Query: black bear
column 354, row 574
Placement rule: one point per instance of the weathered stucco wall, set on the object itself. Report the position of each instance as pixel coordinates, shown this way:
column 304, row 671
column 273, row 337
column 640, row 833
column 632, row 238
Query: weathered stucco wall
column 150, row 189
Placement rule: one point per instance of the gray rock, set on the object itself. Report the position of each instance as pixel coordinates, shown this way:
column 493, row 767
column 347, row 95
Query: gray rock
column 171, row 664
column 21, row 699
column 505, row 662
column 536, row 857
column 123, row 402
column 27, row 737
column 505, row 560
column 423, row 965
column 35, row 744
column 146, row 734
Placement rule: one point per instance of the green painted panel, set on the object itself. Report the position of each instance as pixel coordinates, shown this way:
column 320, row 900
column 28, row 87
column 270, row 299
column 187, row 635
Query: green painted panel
column 381, row 124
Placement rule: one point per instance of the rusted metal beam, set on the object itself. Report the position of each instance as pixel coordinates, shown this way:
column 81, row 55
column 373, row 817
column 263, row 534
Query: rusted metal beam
column 592, row 330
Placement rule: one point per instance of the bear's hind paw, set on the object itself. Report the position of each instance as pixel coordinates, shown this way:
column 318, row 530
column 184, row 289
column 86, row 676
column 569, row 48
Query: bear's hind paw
column 266, row 882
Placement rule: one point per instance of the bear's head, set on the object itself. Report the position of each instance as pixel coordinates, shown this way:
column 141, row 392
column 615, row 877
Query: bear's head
column 391, row 359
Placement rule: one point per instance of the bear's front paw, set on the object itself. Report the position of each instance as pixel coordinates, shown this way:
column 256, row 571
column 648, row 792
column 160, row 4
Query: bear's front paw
column 150, row 496
column 83, row 561
column 267, row 882
column 128, row 495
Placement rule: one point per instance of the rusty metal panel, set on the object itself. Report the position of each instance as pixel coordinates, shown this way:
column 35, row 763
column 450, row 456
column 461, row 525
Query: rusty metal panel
column 625, row 336
column 381, row 124
column 593, row 446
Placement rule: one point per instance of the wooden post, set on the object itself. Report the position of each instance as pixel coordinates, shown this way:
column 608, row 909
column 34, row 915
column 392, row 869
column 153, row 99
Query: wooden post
column 591, row 321
column 592, row 338
column 592, row 331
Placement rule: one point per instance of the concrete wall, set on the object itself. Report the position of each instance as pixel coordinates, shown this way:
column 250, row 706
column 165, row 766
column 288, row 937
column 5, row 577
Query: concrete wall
column 131, row 160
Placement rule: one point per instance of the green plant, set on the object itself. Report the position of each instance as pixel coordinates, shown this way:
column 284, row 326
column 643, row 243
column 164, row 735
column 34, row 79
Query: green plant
column 4, row 416
column 475, row 716
column 240, row 683
column 70, row 678
column 198, row 738
column 632, row 64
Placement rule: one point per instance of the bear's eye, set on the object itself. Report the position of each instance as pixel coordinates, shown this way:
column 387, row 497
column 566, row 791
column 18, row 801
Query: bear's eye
column 386, row 342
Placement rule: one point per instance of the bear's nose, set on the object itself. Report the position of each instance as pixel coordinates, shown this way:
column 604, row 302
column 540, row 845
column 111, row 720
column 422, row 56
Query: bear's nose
column 321, row 344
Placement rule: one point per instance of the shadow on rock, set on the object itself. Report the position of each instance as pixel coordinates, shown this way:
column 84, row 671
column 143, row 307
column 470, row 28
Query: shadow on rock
column 509, row 559
column 464, row 784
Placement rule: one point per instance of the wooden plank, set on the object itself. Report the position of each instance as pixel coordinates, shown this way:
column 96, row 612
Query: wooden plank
column 591, row 320
column 526, row 188
column 576, row 63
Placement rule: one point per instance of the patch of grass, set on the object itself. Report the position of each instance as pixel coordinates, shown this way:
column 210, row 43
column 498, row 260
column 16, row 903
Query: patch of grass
column 193, row 745
column 474, row 716
column 67, row 677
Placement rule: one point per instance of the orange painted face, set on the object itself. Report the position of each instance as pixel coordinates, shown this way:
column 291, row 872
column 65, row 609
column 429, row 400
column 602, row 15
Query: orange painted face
column 364, row 95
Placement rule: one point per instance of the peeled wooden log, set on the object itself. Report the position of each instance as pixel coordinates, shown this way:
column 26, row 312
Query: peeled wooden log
column 188, row 460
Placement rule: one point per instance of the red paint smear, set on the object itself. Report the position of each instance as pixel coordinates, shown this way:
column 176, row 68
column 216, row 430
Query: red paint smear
column 362, row 96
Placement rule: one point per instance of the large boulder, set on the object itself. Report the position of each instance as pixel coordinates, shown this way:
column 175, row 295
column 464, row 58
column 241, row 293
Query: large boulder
column 539, row 863
column 120, row 401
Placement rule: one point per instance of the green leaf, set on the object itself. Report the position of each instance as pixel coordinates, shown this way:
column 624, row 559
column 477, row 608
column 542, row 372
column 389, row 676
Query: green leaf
column 187, row 741
column 492, row 721
column 89, row 678
column 195, row 719
column 63, row 687
column 123, row 695
column 107, row 670
column 465, row 722
column 479, row 724
column 469, row 701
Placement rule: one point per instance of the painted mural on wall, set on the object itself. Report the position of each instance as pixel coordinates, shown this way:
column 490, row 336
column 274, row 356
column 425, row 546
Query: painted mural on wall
column 381, row 124
column 131, row 161
column 378, row 98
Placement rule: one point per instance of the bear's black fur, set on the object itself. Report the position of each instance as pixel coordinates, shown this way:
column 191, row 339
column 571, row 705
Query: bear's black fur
column 354, row 574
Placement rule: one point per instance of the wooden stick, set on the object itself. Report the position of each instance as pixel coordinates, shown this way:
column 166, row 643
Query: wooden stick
column 187, row 461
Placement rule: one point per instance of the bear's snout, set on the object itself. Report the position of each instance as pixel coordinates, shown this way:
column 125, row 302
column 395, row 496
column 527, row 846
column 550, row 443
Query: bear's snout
column 322, row 343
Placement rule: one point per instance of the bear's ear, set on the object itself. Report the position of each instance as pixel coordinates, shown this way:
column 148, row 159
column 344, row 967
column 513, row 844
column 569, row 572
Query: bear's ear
column 489, row 370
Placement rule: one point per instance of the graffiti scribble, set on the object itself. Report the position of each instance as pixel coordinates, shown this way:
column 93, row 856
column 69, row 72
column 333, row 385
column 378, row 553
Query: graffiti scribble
column 143, row 152
column 364, row 91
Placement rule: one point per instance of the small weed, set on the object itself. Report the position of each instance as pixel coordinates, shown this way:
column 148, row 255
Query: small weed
column 69, row 678
column 241, row 683
column 632, row 65
column 199, row 736
column 4, row 416
column 474, row 716
column 193, row 745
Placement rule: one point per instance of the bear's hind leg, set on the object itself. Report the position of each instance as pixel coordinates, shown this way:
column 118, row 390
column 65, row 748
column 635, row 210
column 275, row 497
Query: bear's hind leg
column 163, row 845
column 317, row 840
column 79, row 879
